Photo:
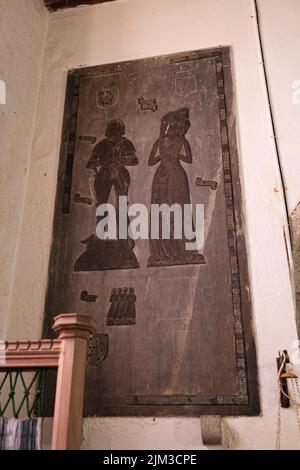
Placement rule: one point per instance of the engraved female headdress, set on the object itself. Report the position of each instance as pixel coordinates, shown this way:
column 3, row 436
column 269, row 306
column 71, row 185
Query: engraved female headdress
column 178, row 121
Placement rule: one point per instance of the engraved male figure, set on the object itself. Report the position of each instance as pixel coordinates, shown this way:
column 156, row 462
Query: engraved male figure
column 109, row 160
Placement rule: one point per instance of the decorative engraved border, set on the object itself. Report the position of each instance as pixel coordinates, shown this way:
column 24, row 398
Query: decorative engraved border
column 71, row 147
column 242, row 397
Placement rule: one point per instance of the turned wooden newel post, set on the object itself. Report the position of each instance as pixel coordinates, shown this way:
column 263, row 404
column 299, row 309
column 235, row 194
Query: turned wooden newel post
column 73, row 331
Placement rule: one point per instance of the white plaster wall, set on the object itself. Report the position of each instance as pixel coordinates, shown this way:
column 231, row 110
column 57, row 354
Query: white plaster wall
column 22, row 38
column 281, row 38
column 130, row 29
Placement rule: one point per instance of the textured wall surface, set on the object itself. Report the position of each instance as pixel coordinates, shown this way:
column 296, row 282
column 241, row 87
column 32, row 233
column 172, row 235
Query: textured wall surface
column 283, row 64
column 22, row 31
column 281, row 36
column 131, row 29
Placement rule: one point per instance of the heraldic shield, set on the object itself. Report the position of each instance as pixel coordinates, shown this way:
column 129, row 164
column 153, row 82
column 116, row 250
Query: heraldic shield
column 185, row 83
column 107, row 96
column 97, row 349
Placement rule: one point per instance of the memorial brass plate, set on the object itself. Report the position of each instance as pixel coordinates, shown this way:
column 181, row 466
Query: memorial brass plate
column 178, row 323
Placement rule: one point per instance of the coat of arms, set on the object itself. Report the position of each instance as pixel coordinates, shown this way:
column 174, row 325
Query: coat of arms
column 97, row 349
column 107, row 97
column 185, row 83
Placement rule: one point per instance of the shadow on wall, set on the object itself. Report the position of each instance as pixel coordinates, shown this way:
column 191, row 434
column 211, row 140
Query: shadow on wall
column 54, row 5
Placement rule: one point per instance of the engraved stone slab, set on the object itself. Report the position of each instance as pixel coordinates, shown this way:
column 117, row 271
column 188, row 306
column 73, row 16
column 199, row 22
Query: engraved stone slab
column 180, row 342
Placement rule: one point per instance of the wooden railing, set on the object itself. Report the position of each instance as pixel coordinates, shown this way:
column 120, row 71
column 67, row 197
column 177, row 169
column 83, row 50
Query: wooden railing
column 67, row 354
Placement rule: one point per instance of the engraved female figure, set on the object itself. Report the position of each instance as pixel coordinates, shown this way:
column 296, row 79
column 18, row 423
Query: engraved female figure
column 170, row 186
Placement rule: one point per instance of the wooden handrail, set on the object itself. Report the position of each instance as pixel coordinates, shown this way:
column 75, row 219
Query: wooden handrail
column 31, row 354
column 68, row 355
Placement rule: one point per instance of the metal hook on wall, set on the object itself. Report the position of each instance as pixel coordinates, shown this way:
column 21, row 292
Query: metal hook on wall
column 284, row 374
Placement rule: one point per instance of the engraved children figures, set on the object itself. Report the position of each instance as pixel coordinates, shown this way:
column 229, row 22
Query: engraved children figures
column 108, row 161
column 122, row 309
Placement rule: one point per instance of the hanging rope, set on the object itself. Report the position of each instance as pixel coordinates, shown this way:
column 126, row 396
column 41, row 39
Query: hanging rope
column 294, row 397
